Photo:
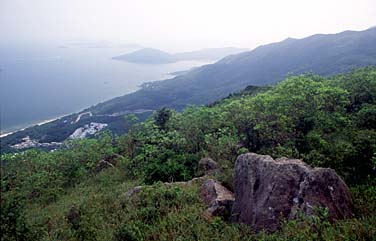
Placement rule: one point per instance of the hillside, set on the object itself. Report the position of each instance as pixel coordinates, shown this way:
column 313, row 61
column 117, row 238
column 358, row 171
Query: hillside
column 324, row 54
column 113, row 188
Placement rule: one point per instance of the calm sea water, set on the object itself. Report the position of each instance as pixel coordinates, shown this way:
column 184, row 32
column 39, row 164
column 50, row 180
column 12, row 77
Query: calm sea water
column 39, row 83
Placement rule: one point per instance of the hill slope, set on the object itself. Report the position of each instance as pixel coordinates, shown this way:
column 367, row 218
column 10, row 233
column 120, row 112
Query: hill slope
column 322, row 54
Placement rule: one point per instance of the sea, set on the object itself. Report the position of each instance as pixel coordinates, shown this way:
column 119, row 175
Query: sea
column 39, row 82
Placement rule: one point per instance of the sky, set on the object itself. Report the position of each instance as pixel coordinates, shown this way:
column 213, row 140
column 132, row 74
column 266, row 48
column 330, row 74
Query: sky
column 176, row 25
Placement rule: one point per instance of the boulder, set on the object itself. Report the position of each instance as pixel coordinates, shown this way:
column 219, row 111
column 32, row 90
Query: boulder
column 268, row 190
column 218, row 199
column 207, row 165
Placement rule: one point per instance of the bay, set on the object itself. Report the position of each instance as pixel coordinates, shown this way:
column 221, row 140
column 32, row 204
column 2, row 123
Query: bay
column 38, row 83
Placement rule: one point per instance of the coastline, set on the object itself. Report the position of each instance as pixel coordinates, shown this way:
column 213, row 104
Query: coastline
column 37, row 124
column 8, row 133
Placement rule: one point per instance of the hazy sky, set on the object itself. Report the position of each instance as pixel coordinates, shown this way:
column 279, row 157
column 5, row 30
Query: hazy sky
column 180, row 24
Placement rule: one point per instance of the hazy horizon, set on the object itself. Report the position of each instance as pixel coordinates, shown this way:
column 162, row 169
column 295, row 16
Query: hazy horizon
column 176, row 25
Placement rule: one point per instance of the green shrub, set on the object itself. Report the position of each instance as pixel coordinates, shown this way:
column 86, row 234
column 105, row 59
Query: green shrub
column 13, row 223
column 130, row 231
column 170, row 167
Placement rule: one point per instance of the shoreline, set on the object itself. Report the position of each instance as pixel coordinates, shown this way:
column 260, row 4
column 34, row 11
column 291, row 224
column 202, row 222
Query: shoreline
column 32, row 125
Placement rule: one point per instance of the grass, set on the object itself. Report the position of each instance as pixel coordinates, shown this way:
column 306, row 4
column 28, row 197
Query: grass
column 176, row 212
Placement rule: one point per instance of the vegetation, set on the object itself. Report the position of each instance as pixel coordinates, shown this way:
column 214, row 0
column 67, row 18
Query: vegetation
column 327, row 122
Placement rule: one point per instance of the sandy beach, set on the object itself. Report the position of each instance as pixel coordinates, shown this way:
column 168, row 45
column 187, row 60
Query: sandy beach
column 37, row 124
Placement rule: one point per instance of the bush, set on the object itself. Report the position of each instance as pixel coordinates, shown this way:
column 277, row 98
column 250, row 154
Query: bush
column 130, row 231
column 13, row 223
column 170, row 167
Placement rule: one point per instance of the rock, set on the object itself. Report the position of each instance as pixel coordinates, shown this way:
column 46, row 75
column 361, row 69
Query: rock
column 207, row 165
column 267, row 190
column 102, row 164
column 217, row 197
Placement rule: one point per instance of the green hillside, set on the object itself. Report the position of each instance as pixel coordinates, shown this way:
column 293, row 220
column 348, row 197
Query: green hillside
column 326, row 121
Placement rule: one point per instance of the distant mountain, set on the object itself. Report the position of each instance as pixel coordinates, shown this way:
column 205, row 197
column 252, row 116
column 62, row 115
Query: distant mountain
column 147, row 56
column 324, row 54
column 156, row 56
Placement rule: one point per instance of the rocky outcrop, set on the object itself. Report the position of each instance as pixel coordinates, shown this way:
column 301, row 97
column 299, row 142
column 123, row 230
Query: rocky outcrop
column 218, row 199
column 207, row 166
column 268, row 190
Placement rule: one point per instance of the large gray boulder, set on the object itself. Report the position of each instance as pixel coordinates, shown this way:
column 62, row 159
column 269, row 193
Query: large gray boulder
column 268, row 190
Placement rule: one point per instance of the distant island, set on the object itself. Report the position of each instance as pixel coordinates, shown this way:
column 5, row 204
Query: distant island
column 156, row 56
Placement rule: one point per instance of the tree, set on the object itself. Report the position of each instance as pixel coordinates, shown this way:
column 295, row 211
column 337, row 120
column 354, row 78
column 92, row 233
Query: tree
column 162, row 117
